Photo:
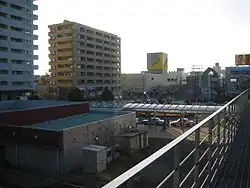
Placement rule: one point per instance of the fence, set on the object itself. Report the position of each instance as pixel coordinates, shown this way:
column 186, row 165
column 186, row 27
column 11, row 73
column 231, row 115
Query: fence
column 193, row 159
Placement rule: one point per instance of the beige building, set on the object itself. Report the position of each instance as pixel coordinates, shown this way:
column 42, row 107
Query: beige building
column 146, row 81
column 84, row 57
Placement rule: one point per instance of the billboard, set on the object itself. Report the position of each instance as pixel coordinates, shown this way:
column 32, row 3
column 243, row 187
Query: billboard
column 242, row 59
column 157, row 62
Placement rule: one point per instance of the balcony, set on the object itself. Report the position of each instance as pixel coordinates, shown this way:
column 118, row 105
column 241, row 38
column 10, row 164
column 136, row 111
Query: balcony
column 35, row 7
column 66, row 53
column 64, row 46
column 64, row 31
column 64, row 84
column 63, row 62
column 213, row 153
column 64, row 77
column 51, row 56
column 68, row 69
column 64, row 39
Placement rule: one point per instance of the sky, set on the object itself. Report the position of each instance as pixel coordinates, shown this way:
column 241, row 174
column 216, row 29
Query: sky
column 191, row 32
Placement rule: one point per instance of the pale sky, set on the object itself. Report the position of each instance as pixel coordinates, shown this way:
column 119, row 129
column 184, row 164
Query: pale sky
column 189, row 31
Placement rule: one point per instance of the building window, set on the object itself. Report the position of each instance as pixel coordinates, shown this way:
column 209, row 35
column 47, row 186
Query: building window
column 3, row 15
column 18, row 51
column 4, row 72
column 16, row 40
column 3, row 83
column 16, row 7
column 3, row 49
column 3, row 3
column 2, row 37
column 3, row 26
column 3, row 60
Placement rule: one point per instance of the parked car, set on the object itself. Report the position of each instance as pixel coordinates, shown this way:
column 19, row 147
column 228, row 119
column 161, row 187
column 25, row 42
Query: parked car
column 153, row 121
column 186, row 122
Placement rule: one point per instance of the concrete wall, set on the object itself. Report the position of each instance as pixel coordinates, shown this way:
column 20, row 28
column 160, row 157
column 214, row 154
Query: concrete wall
column 31, row 116
column 146, row 81
column 41, row 159
column 77, row 137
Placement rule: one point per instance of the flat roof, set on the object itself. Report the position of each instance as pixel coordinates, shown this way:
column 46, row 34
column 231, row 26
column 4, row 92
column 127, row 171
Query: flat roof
column 14, row 105
column 72, row 121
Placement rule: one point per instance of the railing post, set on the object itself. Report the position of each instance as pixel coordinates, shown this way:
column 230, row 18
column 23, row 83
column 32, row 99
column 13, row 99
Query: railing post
column 228, row 127
column 224, row 128
column 176, row 179
column 210, row 140
column 235, row 119
column 197, row 157
column 218, row 130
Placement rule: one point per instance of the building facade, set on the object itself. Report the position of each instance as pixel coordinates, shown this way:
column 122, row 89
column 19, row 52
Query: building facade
column 145, row 81
column 237, row 80
column 17, row 47
column 84, row 57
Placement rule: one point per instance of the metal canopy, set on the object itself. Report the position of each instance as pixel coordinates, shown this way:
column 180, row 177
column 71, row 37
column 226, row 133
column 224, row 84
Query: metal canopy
column 171, row 108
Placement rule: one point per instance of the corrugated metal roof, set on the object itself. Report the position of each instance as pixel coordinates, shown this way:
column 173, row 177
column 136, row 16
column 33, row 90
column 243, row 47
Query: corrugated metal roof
column 171, row 108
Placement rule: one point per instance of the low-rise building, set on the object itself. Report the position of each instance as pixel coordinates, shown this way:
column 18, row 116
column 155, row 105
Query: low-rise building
column 145, row 81
column 51, row 138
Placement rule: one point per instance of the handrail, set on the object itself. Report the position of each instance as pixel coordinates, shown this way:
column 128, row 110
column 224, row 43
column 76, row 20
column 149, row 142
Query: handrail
column 140, row 166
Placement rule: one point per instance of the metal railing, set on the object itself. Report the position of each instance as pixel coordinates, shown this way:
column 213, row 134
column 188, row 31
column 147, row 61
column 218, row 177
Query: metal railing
column 193, row 159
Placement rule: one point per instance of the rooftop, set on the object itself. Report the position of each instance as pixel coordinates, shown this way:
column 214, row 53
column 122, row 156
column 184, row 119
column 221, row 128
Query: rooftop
column 72, row 121
column 13, row 105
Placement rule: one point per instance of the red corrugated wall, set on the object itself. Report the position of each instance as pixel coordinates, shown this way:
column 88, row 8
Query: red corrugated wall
column 31, row 116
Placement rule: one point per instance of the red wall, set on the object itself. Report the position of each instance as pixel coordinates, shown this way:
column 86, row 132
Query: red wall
column 31, row 116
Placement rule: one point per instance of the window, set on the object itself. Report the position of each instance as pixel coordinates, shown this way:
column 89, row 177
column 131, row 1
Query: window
column 2, row 37
column 3, row 60
column 3, row 15
column 18, row 83
column 3, row 83
column 4, row 72
column 3, row 26
column 3, row 3
column 16, row 39
column 16, row 29
column 18, row 18
column 3, row 49
column 17, row 51
column 16, row 7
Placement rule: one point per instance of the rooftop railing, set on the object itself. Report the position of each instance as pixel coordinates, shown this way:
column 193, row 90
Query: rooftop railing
column 193, row 159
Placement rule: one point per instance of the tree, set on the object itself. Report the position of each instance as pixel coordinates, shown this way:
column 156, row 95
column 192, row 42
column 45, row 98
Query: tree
column 75, row 95
column 107, row 95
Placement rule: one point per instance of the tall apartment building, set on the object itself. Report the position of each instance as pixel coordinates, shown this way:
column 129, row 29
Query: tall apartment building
column 84, row 57
column 16, row 47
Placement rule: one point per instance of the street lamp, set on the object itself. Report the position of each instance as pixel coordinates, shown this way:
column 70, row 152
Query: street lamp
column 145, row 93
column 148, row 98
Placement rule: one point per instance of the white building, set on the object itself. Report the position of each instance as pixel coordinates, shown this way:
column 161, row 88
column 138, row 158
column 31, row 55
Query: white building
column 16, row 47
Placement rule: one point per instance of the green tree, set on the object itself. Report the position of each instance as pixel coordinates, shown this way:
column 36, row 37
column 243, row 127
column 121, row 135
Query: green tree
column 107, row 95
column 75, row 95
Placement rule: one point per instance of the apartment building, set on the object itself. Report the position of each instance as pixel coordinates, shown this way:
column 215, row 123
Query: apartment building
column 84, row 57
column 17, row 47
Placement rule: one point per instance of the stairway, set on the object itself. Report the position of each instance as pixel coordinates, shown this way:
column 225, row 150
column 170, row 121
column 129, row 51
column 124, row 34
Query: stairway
column 236, row 171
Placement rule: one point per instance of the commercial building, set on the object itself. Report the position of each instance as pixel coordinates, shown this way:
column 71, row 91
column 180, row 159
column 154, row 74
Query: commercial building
column 52, row 137
column 17, row 47
column 237, row 80
column 146, row 81
column 84, row 57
